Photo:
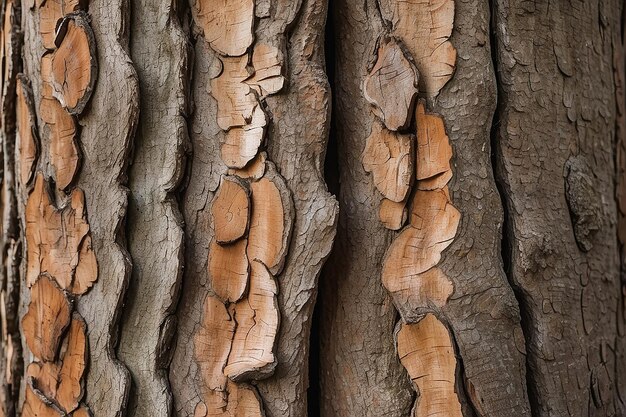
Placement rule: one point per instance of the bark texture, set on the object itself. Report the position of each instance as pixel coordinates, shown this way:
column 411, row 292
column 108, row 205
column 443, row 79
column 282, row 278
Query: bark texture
column 555, row 162
column 154, row 227
column 165, row 214
column 273, row 86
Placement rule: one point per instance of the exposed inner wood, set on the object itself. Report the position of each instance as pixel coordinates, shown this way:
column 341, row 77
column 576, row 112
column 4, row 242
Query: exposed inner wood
column 418, row 248
column 47, row 318
column 389, row 157
column 268, row 78
column 426, row 351
column 236, row 101
column 271, row 220
column 61, row 381
column 228, row 270
column 433, row 148
column 58, row 241
column 35, row 407
column 74, row 67
column 50, row 12
column 231, row 210
column 416, row 294
column 227, row 24
column 252, row 356
column 393, row 214
column 27, row 139
column 61, row 130
column 254, row 170
column 425, row 27
column 242, row 144
column 239, row 400
column 391, row 86
column 212, row 343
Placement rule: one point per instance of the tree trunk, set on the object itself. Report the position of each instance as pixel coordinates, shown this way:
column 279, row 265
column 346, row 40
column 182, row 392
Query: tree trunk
column 170, row 246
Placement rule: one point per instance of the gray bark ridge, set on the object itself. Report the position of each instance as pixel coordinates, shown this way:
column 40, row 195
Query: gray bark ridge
column 107, row 129
column 159, row 52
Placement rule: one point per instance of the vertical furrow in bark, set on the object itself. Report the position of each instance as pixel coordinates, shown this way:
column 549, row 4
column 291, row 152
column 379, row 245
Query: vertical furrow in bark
column 11, row 350
column 154, row 226
column 361, row 373
column 298, row 137
column 555, row 161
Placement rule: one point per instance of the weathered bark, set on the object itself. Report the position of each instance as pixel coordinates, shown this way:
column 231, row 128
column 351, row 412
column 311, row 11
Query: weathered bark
column 159, row 52
column 360, row 371
column 77, row 237
column 292, row 218
column 165, row 216
column 556, row 164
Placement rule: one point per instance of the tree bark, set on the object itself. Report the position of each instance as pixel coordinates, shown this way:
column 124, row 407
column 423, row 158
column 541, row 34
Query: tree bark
column 170, row 246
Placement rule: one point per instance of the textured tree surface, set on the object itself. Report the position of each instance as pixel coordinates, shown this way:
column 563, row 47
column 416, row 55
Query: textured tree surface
column 291, row 208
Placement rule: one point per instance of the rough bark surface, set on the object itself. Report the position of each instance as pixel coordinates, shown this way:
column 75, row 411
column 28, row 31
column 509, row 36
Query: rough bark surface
column 165, row 216
column 92, row 209
column 556, row 165
column 241, row 105
column 154, row 227
column 360, row 370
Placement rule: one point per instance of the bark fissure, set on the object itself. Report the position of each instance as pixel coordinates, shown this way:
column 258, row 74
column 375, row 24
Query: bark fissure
column 507, row 238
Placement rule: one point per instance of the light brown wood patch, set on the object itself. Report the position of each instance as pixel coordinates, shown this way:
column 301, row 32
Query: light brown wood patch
column 239, row 400
column 74, row 68
column 415, row 294
column 228, row 270
column 252, row 356
column 64, row 153
column 212, row 343
column 35, row 407
column 58, row 241
column 267, row 61
column 227, row 24
column 236, row 101
column 425, row 27
column 231, row 210
column 271, row 220
column 242, row 144
column 389, row 157
column 433, row 147
column 50, row 12
column 254, row 170
column 393, row 214
column 47, row 318
column 61, row 130
column 391, row 86
column 27, row 138
column 61, row 381
column 418, row 247
column 426, row 351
